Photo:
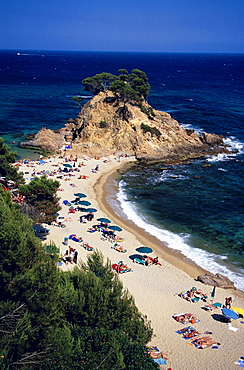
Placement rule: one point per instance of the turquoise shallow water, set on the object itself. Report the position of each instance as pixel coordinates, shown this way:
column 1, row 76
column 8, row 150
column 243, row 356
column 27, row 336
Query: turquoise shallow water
column 201, row 217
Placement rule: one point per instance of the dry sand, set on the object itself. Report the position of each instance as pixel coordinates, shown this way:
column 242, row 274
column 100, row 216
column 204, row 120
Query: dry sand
column 154, row 288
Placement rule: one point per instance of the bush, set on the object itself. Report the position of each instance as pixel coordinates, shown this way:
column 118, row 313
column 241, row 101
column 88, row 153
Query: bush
column 153, row 130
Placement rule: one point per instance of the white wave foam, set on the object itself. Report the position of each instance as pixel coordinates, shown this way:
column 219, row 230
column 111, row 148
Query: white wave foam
column 234, row 144
column 219, row 157
column 222, row 169
column 169, row 176
column 204, row 259
column 189, row 126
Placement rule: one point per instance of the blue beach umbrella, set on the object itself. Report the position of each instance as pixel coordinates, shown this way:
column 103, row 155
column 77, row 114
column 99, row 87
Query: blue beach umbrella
column 84, row 203
column 80, row 195
column 104, row 220
column 67, row 165
column 230, row 314
column 144, row 250
column 115, row 228
column 91, row 210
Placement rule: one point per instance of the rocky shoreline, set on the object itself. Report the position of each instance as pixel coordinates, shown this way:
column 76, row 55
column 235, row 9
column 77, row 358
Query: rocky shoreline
column 106, row 126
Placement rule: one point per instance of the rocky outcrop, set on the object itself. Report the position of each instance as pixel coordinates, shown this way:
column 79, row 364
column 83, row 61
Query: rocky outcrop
column 107, row 125
column 45, row 139
column 217, row 280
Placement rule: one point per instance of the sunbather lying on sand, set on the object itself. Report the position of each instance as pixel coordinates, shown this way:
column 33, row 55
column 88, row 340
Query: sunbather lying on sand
column 187, row 317
column 191, row 334
column 155, row 355
column 204, row 341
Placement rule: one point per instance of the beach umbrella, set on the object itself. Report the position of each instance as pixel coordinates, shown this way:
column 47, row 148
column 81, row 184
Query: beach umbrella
column 67, row 165
column 84, row 203
column 213, row 292
column 144, row 249
column 115, row 228
column 91, row 210
column 80, row 195
column 239, row 310
column 104, row 220
column 230, row 314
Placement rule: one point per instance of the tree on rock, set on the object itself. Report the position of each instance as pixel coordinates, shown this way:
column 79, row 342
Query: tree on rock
column 127, row 87
column 98, row 83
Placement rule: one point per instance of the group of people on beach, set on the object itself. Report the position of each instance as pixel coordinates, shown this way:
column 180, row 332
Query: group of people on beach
column 70, row 256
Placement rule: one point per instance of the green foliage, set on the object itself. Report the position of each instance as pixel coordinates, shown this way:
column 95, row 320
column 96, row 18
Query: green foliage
column 153, row 130
column 128, row 87
column 148, row 111
column 6, row 169
column 41, row 194
column 103, row 124
column 98, row 83
column 77, row 99
column 82, row 319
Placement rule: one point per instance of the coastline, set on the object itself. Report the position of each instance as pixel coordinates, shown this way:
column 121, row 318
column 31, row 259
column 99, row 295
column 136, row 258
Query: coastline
column 175, row 258
column 155, row 289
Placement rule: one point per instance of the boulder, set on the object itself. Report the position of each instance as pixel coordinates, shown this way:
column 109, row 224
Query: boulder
column 46, row 139
column 217, row 280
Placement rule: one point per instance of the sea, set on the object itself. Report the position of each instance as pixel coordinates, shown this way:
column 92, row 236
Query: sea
column 196, row 208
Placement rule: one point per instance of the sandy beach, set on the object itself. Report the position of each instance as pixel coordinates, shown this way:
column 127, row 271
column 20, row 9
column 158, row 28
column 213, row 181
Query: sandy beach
column 155, row 288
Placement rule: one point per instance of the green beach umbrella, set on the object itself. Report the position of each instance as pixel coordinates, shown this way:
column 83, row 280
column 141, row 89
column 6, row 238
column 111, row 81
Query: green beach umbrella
column 104, row 220
column 80, row 195
column 84, row 203
column 115, row 228
column 91, row 210
column 144, row 249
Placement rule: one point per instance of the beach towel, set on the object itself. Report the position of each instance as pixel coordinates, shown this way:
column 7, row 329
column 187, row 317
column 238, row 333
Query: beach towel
column 192, row 321
column 160, row 361
column 240, row 362
column 188, row 333
column 185, row 330
column 154, row 349
column 211, row 307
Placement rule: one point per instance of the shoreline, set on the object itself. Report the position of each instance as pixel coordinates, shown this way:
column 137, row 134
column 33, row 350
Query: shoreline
column 176, row 258
column 155, row 289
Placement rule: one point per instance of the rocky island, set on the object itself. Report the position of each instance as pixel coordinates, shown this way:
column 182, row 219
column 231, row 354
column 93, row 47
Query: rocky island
column 114, row 122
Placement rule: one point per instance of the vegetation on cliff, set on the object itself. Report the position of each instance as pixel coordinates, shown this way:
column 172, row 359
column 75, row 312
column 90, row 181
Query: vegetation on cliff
column 51, row 319
column 127, row 86
column 7, row 157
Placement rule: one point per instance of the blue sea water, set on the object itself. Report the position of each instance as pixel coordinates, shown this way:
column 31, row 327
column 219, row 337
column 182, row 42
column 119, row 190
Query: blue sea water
column 196, row 209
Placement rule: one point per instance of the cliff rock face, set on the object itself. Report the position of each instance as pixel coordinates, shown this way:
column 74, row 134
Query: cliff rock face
column 107, row 125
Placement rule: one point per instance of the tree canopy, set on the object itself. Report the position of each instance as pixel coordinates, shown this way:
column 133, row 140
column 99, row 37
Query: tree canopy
column 40, row 193
column 7, row 157
column 128, row 87
column 51, row 319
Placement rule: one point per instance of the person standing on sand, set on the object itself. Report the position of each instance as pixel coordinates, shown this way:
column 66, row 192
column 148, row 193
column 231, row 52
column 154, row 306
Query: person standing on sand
column 75, row 256
column 228, row 301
